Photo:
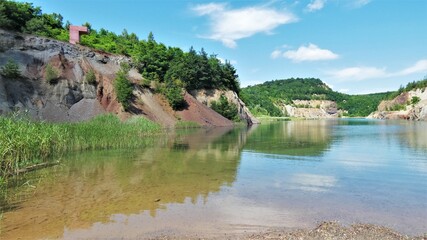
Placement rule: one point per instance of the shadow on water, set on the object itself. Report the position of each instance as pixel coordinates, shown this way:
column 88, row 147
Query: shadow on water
column 90, row 187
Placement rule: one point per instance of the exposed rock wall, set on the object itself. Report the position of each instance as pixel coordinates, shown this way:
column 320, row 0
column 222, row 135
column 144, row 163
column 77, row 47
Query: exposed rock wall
column 208, row 96
column 70, row 98
column 312, row 109
column 411, row 111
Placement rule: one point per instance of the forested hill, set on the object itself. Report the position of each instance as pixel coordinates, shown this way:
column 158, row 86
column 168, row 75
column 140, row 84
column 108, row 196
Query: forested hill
column 265, row 99
column 170, row 67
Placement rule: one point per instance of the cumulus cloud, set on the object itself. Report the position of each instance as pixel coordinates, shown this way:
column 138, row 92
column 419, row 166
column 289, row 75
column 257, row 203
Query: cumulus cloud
column 315, row 5
column 363, row 73
column 229, row 25
column 306, row 53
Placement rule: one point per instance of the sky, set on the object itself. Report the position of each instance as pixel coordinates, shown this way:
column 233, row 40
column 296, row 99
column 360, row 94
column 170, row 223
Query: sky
column 355, row 46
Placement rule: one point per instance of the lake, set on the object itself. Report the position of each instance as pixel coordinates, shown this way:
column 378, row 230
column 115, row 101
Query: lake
column 210, row 182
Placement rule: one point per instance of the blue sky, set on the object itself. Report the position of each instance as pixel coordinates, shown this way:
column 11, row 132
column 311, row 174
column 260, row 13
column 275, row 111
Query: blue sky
column 356, row 46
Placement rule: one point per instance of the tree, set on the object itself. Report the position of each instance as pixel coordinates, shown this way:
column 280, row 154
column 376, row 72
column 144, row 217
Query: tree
column 123, row 87
column 226, row 109
column 10, row 70
column 230, row 79
column 174, row 93
column 15, row 14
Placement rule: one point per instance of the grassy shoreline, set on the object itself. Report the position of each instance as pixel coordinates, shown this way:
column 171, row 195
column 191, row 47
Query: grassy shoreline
column 24, row 142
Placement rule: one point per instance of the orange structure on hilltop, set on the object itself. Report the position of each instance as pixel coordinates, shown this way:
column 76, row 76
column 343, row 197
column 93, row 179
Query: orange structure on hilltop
column 75, row 32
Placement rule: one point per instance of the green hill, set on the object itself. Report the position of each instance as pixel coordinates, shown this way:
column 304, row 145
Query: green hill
column 264, row 99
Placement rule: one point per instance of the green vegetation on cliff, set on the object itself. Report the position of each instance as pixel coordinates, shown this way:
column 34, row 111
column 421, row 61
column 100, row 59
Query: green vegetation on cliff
column 265, row 99
column 422, row 84
column 226, row 109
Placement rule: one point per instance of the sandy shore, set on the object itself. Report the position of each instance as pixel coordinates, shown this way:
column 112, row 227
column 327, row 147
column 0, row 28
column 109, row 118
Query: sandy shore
column 326, row 230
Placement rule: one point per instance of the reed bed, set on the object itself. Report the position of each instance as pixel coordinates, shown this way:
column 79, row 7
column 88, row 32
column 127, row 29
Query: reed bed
column 187, row 124
column 24, row 142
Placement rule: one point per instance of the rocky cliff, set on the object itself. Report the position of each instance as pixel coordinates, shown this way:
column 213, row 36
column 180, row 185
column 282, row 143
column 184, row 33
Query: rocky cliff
column 311, row 109
column 70, row 97
column 410, row 105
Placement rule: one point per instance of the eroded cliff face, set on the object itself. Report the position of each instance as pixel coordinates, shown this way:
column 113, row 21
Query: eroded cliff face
column 208, row 96
column 312, row 109
column 403, row 102
column 70, row 97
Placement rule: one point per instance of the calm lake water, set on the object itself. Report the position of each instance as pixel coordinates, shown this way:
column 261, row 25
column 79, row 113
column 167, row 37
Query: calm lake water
column 213, row 182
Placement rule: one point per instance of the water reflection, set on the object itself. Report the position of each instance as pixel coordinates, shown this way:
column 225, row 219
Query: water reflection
column 90, row 188
column 297, row 138
column 217, row 181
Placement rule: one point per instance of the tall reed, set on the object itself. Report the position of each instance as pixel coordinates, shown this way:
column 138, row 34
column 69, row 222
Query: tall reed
column 24, row 142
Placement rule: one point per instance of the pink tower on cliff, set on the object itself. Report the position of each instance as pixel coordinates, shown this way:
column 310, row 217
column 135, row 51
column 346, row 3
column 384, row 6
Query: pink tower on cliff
column 75, row 32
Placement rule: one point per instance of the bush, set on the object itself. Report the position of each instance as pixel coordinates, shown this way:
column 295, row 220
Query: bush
column 10, row 70
column 51, row 74
column 90, row 77
column 415, row 100
column 397, row 107
column 123, row 88
column 226, row 109
column 174, row 93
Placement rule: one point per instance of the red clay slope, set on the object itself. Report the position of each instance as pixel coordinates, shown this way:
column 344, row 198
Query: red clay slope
column 199, row 113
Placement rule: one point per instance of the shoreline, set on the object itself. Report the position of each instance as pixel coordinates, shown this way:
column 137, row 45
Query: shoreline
column 324, row 230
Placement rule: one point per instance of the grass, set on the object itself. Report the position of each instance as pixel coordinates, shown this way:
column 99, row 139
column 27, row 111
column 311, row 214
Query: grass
column 24, row 142
column 264, row 119
column 186, row 124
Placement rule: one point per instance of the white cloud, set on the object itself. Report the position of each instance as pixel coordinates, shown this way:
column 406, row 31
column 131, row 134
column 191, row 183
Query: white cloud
column 315, row 5
column 228, row 26
column 206, row 9
column 360, row 3
column 363, row 73
column 358, row 73
column 344, row 90
column 420, row 66
column 309, row 53
column 276, row 54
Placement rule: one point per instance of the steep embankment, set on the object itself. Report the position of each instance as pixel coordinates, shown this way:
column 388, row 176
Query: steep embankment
column 70, row 97
column 411, row 105
column 208, row 96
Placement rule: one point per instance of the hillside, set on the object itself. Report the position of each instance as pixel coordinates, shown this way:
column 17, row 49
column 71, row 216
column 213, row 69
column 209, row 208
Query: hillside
column 70, row 96
column 56, row 81
column 310, row 96
column 408, row 102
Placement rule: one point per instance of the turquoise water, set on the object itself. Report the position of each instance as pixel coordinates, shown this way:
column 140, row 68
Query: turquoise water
column 212, row 182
